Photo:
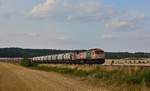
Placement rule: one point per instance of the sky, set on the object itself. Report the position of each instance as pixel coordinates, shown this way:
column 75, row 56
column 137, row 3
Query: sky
column 113, row 25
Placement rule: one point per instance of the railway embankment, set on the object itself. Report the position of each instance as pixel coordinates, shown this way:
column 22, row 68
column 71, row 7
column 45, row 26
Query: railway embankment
column 116, row 79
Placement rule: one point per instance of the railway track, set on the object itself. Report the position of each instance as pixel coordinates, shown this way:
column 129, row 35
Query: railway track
column 108, row 62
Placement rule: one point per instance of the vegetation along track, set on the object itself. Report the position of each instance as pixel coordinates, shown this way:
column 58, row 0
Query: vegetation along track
column 17, row 78
column 127, row 62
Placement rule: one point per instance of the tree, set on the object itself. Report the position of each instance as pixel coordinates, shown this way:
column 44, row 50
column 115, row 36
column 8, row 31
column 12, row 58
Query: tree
column 26, row 62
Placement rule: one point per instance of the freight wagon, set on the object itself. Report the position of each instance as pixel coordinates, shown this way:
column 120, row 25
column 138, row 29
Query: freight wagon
column 11, row 60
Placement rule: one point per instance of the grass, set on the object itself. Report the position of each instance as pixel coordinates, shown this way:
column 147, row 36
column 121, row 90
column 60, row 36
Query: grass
column 131, row 78
column 69, row 71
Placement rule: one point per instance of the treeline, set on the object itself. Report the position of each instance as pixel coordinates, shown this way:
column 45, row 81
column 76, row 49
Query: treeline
column 19, row 52
column 120, row 55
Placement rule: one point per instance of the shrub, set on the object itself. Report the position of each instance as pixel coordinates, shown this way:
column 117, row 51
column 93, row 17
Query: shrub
column 146, row 76
column 26, row 62
column 134, row 79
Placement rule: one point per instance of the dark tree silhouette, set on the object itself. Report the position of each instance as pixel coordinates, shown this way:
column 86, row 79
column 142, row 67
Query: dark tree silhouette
column 19, row 52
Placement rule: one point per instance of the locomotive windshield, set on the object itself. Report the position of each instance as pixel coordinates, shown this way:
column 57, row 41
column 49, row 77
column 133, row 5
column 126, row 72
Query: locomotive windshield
column 98, row 52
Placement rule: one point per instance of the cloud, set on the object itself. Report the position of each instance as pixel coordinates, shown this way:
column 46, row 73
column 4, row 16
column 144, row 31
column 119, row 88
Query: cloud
column 4, row 41
column 125, row 22
column 0, row 3
column 89, row 10
column 42, row 9
column 119, row 24
column 7, row 41
column 9, row 15
column 108, row 36
column 70, row 10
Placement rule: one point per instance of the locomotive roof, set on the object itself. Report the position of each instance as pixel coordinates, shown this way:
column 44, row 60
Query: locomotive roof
column 96, row 49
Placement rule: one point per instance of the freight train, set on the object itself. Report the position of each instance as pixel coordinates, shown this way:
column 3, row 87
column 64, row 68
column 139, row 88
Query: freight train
column 91, row 56
column 11, row 60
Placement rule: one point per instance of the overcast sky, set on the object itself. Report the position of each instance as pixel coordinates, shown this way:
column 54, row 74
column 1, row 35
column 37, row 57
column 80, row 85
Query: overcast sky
column 113, row 25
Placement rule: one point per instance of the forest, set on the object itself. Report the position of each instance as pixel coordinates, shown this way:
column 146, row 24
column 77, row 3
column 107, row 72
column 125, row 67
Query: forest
column 20, row 52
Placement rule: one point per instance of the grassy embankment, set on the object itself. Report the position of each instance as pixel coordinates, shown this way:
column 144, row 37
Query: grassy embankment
column 120, row 79
column 117, row 79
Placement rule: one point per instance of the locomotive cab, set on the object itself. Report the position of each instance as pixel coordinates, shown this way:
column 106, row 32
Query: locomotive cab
column 97, row 55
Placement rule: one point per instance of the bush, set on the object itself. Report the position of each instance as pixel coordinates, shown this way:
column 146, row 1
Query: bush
column 146, row 77
column 137, row 79
column 26, row 62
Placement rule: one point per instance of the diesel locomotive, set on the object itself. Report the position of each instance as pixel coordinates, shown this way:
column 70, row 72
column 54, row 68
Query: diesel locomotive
column 91, row 56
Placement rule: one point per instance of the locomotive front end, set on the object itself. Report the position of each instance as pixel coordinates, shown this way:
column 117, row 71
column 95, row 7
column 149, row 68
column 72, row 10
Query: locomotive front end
column 98, row 55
